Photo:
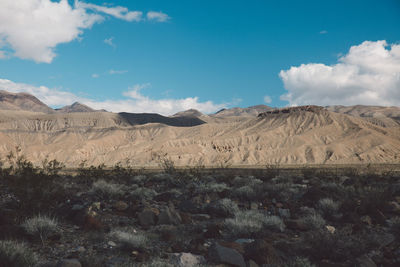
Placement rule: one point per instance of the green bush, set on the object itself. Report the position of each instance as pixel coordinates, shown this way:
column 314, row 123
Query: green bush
column 14, row 254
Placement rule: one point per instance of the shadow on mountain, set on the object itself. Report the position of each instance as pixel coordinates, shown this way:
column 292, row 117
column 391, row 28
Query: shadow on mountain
column 144, row 118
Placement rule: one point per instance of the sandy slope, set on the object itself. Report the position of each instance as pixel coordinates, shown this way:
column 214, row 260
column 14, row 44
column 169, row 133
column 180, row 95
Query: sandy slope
column 300, row 136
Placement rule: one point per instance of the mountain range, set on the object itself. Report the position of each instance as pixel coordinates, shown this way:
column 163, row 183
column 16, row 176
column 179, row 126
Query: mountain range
column 253, row 136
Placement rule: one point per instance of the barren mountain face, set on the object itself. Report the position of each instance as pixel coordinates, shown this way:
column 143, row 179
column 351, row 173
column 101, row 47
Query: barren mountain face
column 298, row 135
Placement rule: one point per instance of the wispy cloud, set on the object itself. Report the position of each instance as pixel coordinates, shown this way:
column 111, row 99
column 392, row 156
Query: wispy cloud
column 267, row 99
column 323, row 32
column 112, row 72
column 134, row 100
column 95, row 75
column 109, row 41
column 32, row 29
column 118, row 11
column 157, row 16
column 368, row 74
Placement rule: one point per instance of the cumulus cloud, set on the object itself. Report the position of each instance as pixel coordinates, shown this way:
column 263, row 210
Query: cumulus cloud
column 368, row 74
column 32, row 29
column 267, row 99
column 134, row 100
column 157, row 16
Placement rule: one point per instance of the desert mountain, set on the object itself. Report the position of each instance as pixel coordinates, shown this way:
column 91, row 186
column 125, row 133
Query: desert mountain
column 298, row 135
column 368, row 111
column 75, row 107
column 252, row 111
column 22, row 101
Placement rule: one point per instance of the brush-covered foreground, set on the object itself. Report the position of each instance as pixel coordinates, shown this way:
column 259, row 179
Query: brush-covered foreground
column 197, row 217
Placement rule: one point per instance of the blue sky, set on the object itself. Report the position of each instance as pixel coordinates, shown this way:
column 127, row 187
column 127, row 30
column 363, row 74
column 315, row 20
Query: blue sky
column 225, row 53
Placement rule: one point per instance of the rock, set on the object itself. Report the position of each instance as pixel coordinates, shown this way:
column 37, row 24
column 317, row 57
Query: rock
column 169, row 216
column 69, row 263
column 147, row 217
column 236, row 246
column 365, row 261
column 330, row 229
column 92, row 223
column 262, row 252
column 220, row 254
column 187, row 260
column 120, row 206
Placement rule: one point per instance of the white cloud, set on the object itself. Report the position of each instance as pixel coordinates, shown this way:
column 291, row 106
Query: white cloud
column 134, row 101
column 323, row 32
column 157, row 16
column 95, row 75
column 112, row 72
column 32, row 29
column 109, row 41
column 267, row 99
column 368, row 74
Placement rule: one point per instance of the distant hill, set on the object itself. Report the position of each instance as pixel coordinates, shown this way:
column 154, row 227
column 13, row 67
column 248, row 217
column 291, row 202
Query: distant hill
column 75, row 107
column 368, row 111
column 253, row 136
column 22, row 101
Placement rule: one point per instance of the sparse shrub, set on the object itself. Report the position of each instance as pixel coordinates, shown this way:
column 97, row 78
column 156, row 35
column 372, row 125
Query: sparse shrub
column 143, row 193
column 224, row 207
column 313, row 221
column 14, row 254
column 248, row 223
column 299, row 262
column 139, row 179
column 328, row 207
column 245, row 192
column 108, row 190
column 41, row 226
column 212, row 188
column 284, row 191
column 129, row 240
